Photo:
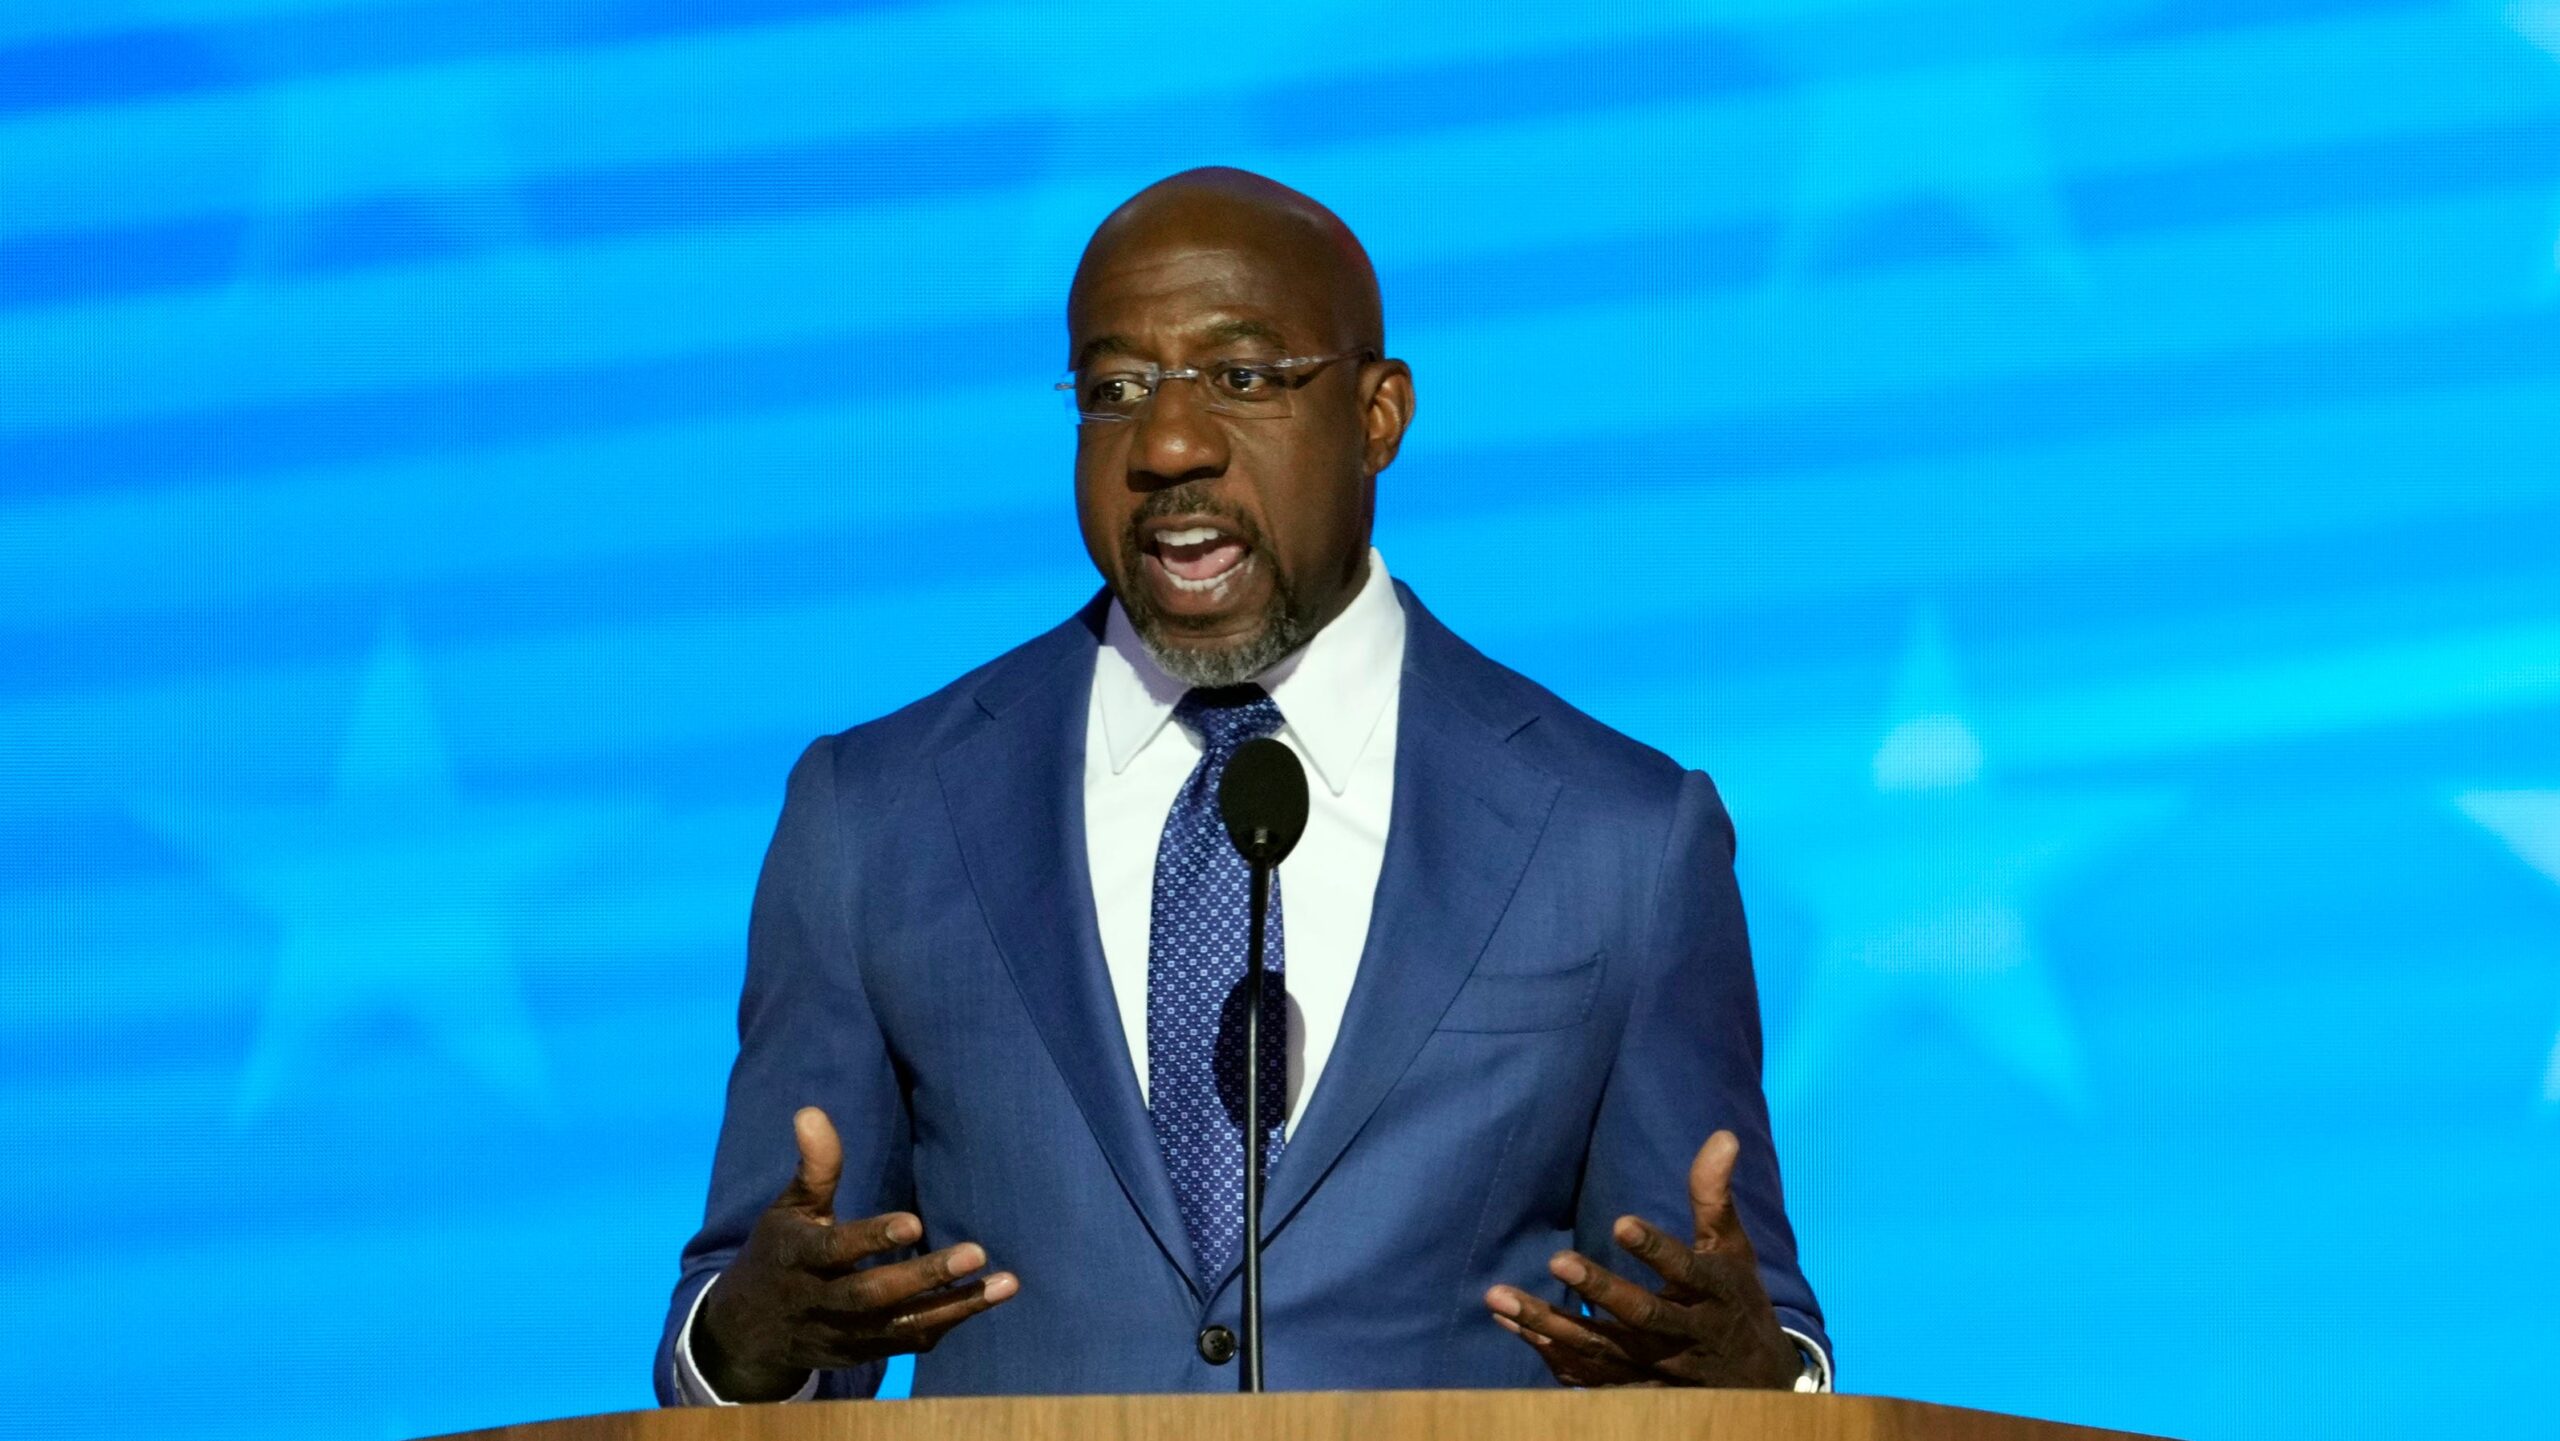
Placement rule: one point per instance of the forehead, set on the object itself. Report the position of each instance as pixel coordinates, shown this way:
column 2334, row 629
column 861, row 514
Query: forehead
column 1163, row 294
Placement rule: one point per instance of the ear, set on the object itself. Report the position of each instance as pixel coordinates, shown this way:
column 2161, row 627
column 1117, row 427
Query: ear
column 1386, row 396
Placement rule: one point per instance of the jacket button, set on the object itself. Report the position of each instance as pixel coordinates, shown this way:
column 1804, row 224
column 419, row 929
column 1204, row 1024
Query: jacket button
column 1217, row 1345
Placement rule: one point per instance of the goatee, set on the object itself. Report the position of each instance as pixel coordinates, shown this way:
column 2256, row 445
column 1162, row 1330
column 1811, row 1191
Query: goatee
column 1281, row 629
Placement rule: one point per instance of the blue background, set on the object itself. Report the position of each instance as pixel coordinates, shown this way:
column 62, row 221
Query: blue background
column 2081, row 475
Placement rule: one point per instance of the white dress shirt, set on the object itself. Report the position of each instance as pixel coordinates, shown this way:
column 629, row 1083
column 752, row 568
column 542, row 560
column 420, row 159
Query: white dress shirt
column 1337, row 696
column 1337, row 699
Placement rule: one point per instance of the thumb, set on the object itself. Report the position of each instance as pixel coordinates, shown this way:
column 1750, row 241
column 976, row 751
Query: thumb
column 1711, row 1186
column 821, row 1162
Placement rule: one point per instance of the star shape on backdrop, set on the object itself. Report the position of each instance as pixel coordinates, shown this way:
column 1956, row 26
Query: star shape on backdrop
column 1947, row 154
column 2529, row 823
column 1924, row 882
column 394, row 900
column 2538, row 21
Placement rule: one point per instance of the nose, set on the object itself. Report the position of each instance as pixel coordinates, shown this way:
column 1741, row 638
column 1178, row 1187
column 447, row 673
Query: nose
column 1176, row 438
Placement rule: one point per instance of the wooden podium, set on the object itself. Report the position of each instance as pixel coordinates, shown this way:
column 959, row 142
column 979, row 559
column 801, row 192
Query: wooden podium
column 1325, row 1416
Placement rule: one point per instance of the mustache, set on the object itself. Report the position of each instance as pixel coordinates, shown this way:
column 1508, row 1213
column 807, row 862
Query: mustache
column 1193, row 498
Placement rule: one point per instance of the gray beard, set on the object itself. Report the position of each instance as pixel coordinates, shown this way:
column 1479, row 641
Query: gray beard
column 1206, row 669
column 1284, row 624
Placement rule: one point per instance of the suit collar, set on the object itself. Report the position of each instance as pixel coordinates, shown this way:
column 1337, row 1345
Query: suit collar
column 1032, row 671
column 1497, row 700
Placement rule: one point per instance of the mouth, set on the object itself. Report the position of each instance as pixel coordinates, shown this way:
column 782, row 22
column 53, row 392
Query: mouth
column 1195, row 555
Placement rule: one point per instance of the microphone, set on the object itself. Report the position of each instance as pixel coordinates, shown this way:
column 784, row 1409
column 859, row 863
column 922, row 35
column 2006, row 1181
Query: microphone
column 1263, row 799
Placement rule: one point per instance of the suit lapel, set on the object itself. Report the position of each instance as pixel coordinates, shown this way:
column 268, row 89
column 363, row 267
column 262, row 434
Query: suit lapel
column 1015, row 790
column 1467, row 814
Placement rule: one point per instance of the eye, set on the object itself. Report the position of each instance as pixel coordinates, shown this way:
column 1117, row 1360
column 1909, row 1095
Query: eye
column 1117, row 391
column 1246, row 382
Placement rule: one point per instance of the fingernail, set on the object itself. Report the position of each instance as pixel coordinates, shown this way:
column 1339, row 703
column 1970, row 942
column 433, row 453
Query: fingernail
column 1568, row 1270
column 906, row 1230
column 967, row 1258
column 1504, row 1302
column 1001, row 1285
column 1628, row 1232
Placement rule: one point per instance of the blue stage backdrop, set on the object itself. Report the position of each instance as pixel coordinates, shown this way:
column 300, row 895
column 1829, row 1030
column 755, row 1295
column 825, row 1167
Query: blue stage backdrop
column 2085, row 478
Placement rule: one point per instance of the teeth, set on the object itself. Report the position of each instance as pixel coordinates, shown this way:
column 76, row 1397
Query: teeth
column 1220, row 581
column 1191, row 535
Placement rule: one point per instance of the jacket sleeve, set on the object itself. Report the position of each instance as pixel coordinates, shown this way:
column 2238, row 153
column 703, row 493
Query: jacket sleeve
column 806, row 1036
column 1688, row 1065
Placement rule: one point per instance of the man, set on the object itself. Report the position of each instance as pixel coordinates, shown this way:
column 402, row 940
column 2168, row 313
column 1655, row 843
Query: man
column 990, row 1008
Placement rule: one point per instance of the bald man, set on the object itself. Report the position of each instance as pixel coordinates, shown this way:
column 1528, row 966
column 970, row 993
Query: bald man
column 987, row 1106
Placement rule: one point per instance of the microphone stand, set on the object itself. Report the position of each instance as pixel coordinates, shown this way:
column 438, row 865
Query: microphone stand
column 1262, row 797
column 1253, row 1141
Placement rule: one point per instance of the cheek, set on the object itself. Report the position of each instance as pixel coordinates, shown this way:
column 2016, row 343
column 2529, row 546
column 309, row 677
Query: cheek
column 1102, row 510
column 1313, row 509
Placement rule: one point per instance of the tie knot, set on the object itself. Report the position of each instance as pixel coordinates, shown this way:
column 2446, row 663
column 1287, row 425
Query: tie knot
column 1229, row 716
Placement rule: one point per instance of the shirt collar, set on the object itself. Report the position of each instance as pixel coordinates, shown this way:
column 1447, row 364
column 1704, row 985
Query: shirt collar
column 1332, row 691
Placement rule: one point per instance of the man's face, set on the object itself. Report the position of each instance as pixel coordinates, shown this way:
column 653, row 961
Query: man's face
column 1228, row 539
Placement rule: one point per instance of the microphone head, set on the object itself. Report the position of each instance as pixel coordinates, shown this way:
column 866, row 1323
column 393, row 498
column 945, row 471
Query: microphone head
column 1263, row 799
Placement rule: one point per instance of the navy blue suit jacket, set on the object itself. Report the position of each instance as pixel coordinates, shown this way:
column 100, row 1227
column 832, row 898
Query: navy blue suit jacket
column 1554, row 1009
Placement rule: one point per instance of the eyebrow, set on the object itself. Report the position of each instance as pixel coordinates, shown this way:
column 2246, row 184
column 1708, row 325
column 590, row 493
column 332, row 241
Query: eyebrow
column 1230, row 331
column 1225, row 332
column 1103, row 345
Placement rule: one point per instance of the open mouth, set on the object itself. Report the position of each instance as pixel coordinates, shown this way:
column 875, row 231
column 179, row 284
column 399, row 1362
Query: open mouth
column 1197, row 556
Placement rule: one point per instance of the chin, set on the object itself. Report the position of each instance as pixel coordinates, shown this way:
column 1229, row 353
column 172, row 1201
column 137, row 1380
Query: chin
column 1222, row 663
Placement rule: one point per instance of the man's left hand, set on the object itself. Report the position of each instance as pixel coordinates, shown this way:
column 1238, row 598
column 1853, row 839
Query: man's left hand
column 1710, row 1325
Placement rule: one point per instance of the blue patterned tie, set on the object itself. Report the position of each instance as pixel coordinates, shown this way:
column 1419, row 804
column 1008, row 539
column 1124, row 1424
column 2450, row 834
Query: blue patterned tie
column 1195, row 987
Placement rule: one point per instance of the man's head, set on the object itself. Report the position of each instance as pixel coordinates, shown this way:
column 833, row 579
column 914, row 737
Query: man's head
column 1232, row 535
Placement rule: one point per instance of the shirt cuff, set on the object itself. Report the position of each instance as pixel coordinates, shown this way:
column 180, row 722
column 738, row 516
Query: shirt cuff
column 693, row 1390
column 1817, row 1364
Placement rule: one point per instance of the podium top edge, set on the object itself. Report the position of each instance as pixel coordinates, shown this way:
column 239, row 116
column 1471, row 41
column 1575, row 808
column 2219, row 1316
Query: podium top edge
column 1476, row 1415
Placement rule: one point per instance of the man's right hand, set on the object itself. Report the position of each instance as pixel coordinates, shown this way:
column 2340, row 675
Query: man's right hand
column 799, row 1296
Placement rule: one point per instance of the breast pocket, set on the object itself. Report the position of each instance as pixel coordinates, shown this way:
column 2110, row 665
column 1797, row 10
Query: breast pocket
column 1538, row 1001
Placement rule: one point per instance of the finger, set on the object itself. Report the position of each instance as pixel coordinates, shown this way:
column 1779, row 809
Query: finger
column 1573, row 1361
column 1571, row 1333
column 1507, row 1303
column 1570, row 1368
column 1675, row 1263
column 845, row 1336
column 842, row 1247
column 933, row 1315
column 1630, row 1303
column 1711, row 1186
column 1563, row 1365
column 880, row 1288
column 821, row 1161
